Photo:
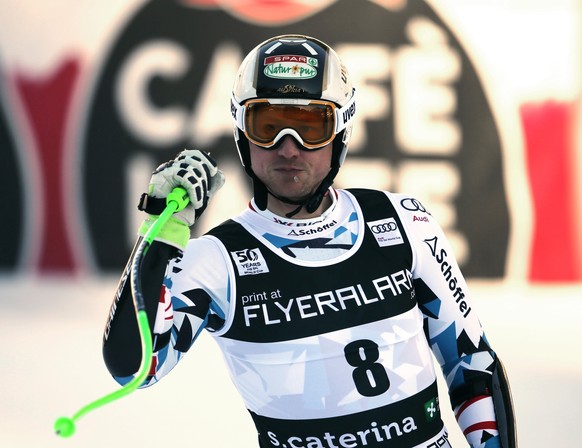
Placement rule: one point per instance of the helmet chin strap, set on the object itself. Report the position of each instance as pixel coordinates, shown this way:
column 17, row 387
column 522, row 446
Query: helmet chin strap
column 261, row 193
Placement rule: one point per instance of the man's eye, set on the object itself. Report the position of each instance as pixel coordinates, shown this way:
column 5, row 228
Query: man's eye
column 268, row 127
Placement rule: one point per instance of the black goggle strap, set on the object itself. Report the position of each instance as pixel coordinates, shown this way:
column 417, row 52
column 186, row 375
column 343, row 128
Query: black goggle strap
column 343, row 116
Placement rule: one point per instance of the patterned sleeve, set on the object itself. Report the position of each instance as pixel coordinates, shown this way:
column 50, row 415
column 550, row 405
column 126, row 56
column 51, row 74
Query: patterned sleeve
column 451, row 323
column 194, row 296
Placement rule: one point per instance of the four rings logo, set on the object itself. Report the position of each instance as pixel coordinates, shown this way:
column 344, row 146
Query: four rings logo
column 413, row 205
column 249, row 261
column 386, row 232
column 384, row 228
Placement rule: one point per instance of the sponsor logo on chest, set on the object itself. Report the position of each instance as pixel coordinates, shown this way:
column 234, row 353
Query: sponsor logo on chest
column 249, row 262
column 386, row 232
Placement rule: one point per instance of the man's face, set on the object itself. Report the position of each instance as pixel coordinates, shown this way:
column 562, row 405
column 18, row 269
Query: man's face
column 289, row 171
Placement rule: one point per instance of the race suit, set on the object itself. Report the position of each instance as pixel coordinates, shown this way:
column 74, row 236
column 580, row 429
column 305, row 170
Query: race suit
column 327, row 325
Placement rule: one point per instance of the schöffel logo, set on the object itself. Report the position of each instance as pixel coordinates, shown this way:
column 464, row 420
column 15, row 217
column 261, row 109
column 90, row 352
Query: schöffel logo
column 450, row 271
column 249, row 262
column 386, row 232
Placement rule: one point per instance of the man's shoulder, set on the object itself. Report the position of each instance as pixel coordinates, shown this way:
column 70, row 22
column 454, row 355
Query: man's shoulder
column 373, row 203
column 225, row 227
column 367, row 194
column 402, row 201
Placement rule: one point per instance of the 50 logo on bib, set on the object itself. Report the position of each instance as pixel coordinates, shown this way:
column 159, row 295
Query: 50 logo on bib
column 386, row 232
column 249, row 261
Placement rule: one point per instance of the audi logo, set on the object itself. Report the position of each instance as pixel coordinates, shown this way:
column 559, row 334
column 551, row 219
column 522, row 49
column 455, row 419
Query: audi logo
column 384, row 227
column 413, row 205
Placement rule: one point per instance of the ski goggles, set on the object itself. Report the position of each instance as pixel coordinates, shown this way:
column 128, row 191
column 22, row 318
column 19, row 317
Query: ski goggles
column 314, row 123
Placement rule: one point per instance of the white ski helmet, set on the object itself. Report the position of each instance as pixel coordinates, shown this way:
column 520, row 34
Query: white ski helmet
column 293, row 70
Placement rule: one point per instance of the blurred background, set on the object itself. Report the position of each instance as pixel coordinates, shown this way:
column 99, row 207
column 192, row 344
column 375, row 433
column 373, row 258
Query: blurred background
column 472, row 106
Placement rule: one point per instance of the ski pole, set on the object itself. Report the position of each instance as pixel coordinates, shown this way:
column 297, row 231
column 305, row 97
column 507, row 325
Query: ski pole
column 176, row 201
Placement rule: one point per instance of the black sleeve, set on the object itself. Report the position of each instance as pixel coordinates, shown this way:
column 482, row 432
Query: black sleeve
column 503, row 404
column 121, row 340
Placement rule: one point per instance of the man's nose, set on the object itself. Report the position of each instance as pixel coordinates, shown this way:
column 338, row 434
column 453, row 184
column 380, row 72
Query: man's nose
column 289, row 147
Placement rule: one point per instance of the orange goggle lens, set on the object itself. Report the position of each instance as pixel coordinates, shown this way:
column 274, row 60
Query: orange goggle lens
column 313, row 122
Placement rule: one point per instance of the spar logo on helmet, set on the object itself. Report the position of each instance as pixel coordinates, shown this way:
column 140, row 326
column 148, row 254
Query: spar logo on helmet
column 165, row 84
column 290, row 67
